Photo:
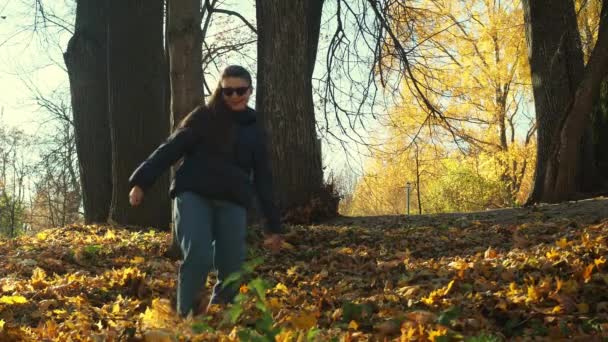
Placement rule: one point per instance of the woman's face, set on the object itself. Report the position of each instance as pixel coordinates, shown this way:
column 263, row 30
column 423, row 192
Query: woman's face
column 236, row 92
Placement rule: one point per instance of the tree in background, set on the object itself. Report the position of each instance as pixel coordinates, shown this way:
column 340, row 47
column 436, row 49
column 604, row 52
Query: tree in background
column 139, row 121
column 14, row 168
column 56, row 196
column 87, row 67
column 478, row 152
column 288, row 37
column 184, row 41
column 566, row 90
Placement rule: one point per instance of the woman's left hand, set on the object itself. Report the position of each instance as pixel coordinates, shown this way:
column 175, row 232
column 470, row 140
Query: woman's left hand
column 273, row 242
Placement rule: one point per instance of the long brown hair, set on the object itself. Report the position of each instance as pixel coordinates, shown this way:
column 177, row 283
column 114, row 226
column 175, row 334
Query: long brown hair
column 210, row 120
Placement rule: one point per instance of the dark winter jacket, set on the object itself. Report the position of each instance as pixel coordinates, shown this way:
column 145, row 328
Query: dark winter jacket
column 216, row 176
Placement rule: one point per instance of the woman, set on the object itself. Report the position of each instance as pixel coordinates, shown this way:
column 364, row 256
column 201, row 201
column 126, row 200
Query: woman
column 221, row 145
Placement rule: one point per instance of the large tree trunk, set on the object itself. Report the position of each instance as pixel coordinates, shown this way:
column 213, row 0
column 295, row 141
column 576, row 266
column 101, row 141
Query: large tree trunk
column 185, row 49
column 185, row 56
column 563, row 176
column 556, row 62
column 86, row 62
column 288, row 35
column 138, row 118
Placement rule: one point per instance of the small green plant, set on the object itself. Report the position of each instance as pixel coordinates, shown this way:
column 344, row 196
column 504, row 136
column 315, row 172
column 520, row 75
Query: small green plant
column 255, row 297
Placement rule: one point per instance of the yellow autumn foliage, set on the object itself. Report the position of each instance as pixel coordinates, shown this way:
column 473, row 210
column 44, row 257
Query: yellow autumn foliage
column 481, row 153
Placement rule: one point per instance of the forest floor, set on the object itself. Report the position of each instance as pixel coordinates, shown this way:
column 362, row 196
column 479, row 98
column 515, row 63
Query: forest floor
column 515, row 274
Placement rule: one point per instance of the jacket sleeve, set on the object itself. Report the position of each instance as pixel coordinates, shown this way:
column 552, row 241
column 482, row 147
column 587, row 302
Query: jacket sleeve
column 162, row 158
column 262, row 178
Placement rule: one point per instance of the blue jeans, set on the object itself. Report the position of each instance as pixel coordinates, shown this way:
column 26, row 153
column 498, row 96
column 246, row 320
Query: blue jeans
column 210, row 233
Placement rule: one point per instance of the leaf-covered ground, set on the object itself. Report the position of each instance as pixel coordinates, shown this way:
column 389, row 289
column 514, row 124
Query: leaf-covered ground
column 459, row 279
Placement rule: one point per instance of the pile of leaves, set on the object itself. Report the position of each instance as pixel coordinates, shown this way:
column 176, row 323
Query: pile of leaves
column 321, row 207
column 473, row 282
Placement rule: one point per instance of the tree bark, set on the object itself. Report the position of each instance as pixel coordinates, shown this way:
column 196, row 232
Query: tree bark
column 288, row 34
column 185, row 57
column 86, row 62
column 562, row 181
column 138, row 118
column 600, row 138
column 184, row 41
column 557, row 65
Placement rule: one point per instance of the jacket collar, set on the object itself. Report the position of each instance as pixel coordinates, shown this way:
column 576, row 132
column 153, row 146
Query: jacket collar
column 244, row 117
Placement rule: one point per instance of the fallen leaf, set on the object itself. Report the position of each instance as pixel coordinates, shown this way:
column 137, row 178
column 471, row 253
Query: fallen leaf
column 13, row 300
column 490, row 253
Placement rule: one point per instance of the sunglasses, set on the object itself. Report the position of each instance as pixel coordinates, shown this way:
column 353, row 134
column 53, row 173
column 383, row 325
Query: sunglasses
column 240, row 91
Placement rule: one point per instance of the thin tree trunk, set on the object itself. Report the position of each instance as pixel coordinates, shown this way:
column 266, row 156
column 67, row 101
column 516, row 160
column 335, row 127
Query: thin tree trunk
column 418, row 181
column 288, row 33
column 86, row 62
column 138, row 118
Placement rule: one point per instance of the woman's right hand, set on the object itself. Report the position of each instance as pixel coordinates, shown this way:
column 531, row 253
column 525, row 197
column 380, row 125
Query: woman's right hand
column 136, row 196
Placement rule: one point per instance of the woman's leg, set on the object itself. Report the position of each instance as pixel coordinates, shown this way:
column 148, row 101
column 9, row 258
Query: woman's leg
column 193, row 222
column 229, row 231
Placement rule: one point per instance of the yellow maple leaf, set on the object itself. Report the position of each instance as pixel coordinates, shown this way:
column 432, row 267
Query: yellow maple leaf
column 158, row 315
column 353, row 325
column 460, row 266
column 38, row 278
column 282, row 288
column 588, row 272
column 2, row 322
column 513, row 290
column 553, row 254
column 586, row 240
column 284, row 336
column 110, row 235
column 292, row 271
column 116, row 308
column 599, row 261
column 533, row 294
column 435, row 295
column 430, row 299
column 562, row 243
column 13, row 300
column 433, row 334
column 407, row 333
column 490, row 253
column 42, row 236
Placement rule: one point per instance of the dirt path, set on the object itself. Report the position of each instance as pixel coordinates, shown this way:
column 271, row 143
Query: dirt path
column 585, row 211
